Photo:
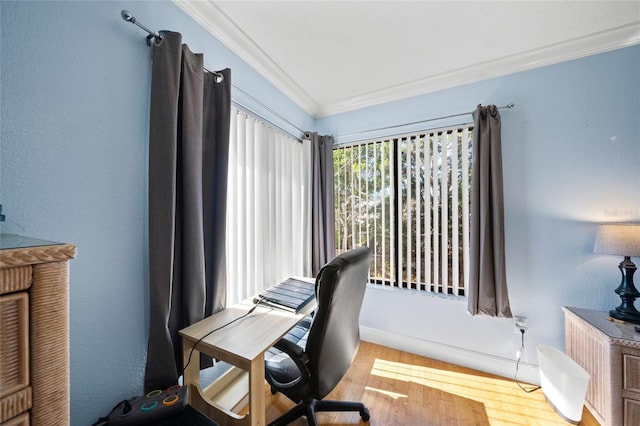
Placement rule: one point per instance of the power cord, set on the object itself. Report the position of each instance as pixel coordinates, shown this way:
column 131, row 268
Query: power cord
column 104, row 421
column 519, row 355
column 253, row 308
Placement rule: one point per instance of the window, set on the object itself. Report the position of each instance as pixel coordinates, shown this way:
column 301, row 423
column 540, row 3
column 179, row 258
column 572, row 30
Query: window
column 268, row 214
column 407, row 198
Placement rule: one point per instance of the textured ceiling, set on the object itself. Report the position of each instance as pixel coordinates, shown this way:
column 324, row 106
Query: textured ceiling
column 334, row 56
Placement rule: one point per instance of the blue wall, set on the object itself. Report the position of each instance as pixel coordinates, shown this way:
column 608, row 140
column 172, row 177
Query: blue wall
column 75, row 83
column 75, row 87
column 571, row 159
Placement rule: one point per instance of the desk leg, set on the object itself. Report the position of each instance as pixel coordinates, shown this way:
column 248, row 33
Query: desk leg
column 256, row 392
column 192, row 372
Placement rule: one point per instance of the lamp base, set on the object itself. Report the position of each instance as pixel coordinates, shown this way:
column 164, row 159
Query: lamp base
column 628, row 294
column 625, row 316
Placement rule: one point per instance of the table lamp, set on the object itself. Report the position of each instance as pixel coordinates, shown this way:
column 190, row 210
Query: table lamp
column 622, row 239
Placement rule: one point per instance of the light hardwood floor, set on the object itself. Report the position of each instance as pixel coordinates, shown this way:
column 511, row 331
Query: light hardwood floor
column 402, row 389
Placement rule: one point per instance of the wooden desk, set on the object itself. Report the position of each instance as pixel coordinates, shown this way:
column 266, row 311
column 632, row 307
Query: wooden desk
column 243, row 345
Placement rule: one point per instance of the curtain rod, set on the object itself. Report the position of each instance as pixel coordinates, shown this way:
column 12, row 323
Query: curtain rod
column 508, row 106
column 302, row 133
column 127, row 16
column 247, row 110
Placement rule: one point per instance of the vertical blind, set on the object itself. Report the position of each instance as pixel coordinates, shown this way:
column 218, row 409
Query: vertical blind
column 268, row 215
column 407, row 198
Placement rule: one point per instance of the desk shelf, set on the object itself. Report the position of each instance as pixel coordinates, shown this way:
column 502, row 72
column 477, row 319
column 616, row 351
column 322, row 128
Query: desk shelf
column 230, row 390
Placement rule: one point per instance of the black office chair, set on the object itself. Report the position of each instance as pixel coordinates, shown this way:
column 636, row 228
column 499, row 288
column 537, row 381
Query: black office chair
column 308, row 362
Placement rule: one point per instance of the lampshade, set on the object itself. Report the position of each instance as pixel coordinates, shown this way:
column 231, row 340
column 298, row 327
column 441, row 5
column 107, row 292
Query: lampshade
column 618, row 238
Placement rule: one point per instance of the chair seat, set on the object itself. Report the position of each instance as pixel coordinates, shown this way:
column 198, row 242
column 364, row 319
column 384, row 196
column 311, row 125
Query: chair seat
column 279, row 363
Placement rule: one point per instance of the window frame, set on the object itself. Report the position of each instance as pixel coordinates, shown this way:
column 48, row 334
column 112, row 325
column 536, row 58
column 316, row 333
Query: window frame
column 401, row 242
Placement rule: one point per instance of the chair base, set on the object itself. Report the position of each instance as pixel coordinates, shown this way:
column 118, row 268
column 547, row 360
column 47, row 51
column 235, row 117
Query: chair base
column 309, row 409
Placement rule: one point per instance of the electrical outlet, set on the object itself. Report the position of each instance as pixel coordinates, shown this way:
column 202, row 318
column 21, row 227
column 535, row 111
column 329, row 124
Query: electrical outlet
column 520, row 323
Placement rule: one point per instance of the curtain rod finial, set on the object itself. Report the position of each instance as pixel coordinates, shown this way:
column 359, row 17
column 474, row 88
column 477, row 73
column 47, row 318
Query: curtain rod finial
column 127, row 16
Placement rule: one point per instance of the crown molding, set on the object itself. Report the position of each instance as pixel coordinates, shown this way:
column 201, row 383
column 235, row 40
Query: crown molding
column 214, row 20
column 605, row 41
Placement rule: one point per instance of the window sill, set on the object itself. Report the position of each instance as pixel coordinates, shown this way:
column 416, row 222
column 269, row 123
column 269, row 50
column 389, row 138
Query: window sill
column 413, row 292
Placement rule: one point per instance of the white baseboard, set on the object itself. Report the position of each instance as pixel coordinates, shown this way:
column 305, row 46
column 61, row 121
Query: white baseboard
column 527, row 373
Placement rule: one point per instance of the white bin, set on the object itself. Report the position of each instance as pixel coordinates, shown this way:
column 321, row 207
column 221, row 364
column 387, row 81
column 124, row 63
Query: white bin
column 563, row 382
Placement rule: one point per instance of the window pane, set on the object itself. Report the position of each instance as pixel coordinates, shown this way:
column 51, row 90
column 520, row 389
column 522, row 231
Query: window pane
column 407, row 198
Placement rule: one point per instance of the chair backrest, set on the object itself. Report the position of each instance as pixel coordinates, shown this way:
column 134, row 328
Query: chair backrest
column 334, row 336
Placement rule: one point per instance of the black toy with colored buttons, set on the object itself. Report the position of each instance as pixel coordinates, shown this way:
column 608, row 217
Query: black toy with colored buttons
column 152, row 406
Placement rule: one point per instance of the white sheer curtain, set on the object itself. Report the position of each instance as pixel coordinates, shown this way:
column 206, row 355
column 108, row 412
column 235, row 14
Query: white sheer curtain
column 268, row 207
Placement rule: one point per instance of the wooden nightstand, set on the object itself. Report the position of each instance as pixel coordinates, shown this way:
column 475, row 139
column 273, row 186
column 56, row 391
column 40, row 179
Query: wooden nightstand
column 610, row 352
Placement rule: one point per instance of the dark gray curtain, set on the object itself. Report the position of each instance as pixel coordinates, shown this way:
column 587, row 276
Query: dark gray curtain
column 488, row 293
column 323, row 238
column 188, row 153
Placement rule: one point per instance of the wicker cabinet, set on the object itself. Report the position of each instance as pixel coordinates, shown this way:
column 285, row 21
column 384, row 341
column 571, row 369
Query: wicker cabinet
column 610, row 352
column 34, row 331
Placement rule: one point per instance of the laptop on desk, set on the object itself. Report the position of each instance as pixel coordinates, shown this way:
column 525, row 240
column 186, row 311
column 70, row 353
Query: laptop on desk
column 291, row 295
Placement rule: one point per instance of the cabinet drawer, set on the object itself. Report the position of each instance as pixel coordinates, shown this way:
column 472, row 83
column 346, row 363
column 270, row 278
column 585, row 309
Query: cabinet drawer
column 14, row 404
column 631, row 412
column 631, row 365
column 14, row 342
column 21, row 420
column 17, row 278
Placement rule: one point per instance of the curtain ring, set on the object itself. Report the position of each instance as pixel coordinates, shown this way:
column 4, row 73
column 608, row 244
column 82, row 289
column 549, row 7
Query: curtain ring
column 158, row 39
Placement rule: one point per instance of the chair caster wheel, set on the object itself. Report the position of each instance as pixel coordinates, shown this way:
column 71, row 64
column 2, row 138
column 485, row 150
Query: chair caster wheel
column 364, row 415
